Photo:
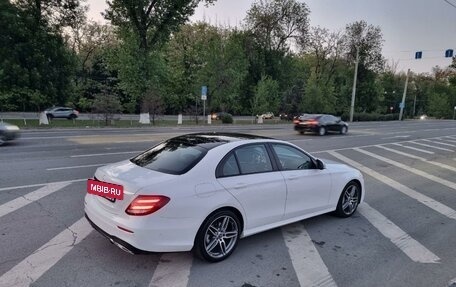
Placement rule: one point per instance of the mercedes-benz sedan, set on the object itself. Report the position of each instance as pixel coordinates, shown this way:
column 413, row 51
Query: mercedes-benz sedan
column 203, row 192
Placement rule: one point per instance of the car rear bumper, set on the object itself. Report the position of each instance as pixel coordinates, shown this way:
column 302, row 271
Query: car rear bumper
column 306, row 128
column 125, row 246
column 150, row 233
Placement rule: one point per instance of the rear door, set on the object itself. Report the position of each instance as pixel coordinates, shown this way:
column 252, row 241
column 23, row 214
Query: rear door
column 252, row 178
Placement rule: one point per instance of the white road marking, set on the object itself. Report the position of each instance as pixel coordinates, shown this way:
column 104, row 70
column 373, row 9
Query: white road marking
column 107, row 153
column 440, row 143
column 431, row 146
column 429, row 202
column 395, row 137
column 412, row 248
column 309, row 266
column 418, row 158
column 76, row 166
column 444, row 139
column 414, row 148
column 172, row 270
column 34, row 266
column 41, row 184
column 30, row 197
column 452, row 282
column 437, row 179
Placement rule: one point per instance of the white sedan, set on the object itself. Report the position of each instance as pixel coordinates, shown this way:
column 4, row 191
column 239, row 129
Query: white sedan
column 205, row 191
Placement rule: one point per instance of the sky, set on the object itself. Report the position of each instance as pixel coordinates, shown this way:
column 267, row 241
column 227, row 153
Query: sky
column 408, row 26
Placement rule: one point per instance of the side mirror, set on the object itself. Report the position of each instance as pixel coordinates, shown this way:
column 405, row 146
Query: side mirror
column 320, row 164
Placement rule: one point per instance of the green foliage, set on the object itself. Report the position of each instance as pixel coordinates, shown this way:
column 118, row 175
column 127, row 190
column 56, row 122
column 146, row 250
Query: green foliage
column 227, row 118
column 439, row 106
column 266, row 96
column 107, row 105
column 318, row 98
column 34, row 61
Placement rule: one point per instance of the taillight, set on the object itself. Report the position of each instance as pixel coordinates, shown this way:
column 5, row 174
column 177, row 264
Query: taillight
column 312, row 122
column 296, row 121
column 146, row 204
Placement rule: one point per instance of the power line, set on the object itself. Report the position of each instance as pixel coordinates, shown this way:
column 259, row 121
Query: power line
column 450, row 3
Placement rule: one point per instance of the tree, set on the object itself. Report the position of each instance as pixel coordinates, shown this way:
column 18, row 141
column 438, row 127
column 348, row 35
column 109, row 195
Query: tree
column 274, row 25
column 144, row 26
column 266, row 96
column 367, row 40
column 326, row 50
column 54, row 14
column 107, row 104
column 33, row 59
column 274, row 22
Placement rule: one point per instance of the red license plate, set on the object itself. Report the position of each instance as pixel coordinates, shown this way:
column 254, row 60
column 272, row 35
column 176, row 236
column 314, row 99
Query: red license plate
column 105, row 189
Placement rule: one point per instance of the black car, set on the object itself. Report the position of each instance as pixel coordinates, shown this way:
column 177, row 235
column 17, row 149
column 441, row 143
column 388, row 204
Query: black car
column 320, row 124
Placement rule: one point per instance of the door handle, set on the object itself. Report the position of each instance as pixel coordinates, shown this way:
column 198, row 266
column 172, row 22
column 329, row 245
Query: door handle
column 240, row 185
column 293, row 177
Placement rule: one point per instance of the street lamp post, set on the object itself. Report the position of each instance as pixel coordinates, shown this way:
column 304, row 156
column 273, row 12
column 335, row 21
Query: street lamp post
column 352, row 105
column 402, row 105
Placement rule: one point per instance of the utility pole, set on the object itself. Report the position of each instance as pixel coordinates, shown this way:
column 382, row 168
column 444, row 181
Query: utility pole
column 352, row 105
column 402, row 105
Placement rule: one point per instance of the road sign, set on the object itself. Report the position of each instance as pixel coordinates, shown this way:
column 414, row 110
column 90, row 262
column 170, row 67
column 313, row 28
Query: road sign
column 204, row 93
column 449, row 53
column 402, row 105
column 418, row 55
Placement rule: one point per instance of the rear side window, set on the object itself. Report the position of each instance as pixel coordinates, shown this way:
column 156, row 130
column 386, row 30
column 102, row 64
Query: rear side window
column 230, row 166
column 171, row 157
column 253, row 159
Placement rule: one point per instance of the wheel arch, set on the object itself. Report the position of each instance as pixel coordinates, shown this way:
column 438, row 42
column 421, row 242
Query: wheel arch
column 229, row 208
column 361, row 191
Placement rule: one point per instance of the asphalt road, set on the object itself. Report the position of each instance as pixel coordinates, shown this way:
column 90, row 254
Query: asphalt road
column 404, row 235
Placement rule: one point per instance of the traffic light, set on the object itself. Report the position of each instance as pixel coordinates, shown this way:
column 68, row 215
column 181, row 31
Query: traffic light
column 418, row 55
column 449, row 53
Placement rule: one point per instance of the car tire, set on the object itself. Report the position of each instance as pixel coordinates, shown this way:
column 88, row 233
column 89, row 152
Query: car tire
column 72, row 117
column 218, row 236
column 50, row 117
column 349, row 200
column 343, row 130
column 322, row 131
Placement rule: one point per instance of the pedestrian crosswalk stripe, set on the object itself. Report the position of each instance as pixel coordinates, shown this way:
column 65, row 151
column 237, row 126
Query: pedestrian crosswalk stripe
column 429, row 202
column 445, row 166
column 440, row 143
column 28, row 198
column 172, row 270
column 412, row 248
column 34, row 266
column 414, row 148
column 434, row 147
column 421, row 173
column 307, row 263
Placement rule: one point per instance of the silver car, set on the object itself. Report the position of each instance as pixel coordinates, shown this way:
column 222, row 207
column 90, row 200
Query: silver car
column 8, row 132
column 61, row 112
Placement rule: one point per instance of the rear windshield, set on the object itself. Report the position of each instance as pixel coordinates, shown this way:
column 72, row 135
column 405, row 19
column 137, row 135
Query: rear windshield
column 309, row 117
column 173, row 157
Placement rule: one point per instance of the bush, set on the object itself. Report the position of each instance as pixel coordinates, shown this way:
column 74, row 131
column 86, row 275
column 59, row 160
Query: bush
column 227, row 119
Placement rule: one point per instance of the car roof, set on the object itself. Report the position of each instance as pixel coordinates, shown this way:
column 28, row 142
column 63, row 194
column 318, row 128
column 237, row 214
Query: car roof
column 210, row 140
